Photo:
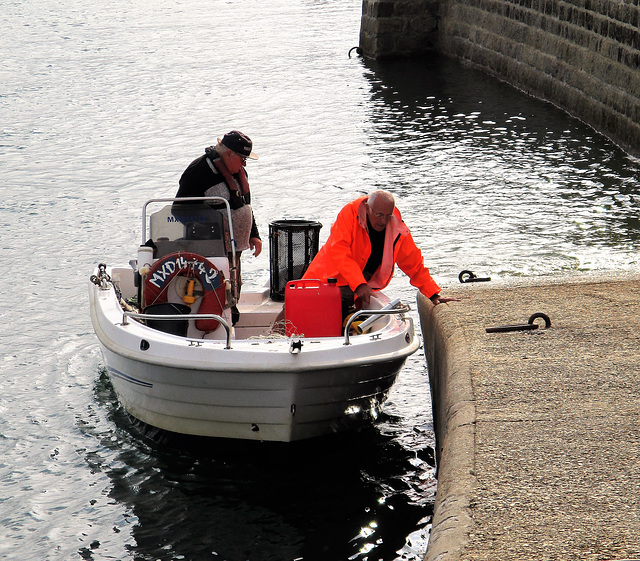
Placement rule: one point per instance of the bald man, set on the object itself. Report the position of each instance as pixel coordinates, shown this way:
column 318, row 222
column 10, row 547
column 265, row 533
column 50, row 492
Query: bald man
column 366, row 241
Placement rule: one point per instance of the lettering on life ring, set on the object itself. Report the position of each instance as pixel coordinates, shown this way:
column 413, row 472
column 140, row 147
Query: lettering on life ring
column 190, row 265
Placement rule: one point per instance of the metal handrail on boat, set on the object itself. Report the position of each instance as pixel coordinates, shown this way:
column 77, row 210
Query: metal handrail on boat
column 167, row 317
column 387, row 310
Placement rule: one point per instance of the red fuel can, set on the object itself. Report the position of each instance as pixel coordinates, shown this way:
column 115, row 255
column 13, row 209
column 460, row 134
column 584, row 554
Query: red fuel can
column 313, row 308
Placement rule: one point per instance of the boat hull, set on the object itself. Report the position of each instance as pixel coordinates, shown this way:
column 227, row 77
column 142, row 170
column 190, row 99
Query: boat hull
column 274, row 406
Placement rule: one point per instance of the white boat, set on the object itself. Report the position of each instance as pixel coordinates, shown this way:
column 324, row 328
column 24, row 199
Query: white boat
column 179, row 373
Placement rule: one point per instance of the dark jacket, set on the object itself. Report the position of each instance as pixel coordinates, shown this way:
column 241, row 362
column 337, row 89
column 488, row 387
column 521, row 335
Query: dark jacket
column 198, row 177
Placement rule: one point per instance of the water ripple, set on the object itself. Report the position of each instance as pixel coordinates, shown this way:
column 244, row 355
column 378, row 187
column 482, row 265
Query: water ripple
column 102, row 106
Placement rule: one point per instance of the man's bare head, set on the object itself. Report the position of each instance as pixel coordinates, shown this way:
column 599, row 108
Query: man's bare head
column 380, row 206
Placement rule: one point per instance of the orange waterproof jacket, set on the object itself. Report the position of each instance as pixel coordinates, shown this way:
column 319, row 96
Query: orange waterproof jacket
column 346, row 252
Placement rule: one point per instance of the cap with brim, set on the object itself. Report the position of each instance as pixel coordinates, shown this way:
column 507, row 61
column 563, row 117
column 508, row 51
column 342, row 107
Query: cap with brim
column 240, row 143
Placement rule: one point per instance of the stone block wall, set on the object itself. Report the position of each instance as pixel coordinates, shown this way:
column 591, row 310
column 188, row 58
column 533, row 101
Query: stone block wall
column 581, row 55
column 391, row 28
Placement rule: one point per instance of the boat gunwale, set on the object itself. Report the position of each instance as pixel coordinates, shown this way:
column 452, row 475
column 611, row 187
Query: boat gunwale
column 277, row 349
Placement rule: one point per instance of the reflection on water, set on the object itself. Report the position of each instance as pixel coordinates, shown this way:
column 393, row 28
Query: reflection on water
column 346, row 497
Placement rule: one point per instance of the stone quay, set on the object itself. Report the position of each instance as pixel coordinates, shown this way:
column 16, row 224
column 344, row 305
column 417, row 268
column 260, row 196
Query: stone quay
column 537, row 431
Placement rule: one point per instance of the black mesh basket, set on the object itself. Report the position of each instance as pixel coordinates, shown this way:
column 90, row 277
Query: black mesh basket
column 292, row 246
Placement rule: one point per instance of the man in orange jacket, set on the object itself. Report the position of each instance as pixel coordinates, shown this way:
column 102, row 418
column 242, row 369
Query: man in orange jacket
column 366, row 241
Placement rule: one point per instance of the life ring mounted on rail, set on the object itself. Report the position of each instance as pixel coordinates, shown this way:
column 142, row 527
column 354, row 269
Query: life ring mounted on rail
column 193, row 267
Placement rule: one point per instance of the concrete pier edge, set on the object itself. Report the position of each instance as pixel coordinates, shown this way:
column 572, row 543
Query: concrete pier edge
column 599, row 309
column 454, row 417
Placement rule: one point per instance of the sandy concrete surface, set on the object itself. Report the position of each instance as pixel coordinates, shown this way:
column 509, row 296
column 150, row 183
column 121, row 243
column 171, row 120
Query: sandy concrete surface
column 538, row 432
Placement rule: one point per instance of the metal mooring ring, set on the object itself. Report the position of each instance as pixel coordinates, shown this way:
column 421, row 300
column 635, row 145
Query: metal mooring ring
column 523, row 326
column 468, row 276
column 545, row 317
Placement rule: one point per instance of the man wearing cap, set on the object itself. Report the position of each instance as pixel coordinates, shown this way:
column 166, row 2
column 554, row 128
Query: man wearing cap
column 220, row 172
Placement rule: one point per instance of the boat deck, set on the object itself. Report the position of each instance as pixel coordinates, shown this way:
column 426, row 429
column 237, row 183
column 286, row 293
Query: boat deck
column 257, row 314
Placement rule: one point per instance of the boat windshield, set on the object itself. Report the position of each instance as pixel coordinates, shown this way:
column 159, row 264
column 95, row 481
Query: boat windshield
column 198, row 228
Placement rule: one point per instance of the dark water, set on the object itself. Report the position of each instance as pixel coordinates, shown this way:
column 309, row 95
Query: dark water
column 101, row 108
column 203, row 498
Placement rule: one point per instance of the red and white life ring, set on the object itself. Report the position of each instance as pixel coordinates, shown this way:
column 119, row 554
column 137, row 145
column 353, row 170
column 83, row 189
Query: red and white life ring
column 192, row 266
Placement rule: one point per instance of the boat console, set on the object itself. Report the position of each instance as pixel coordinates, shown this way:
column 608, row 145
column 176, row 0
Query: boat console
column 196, row 228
